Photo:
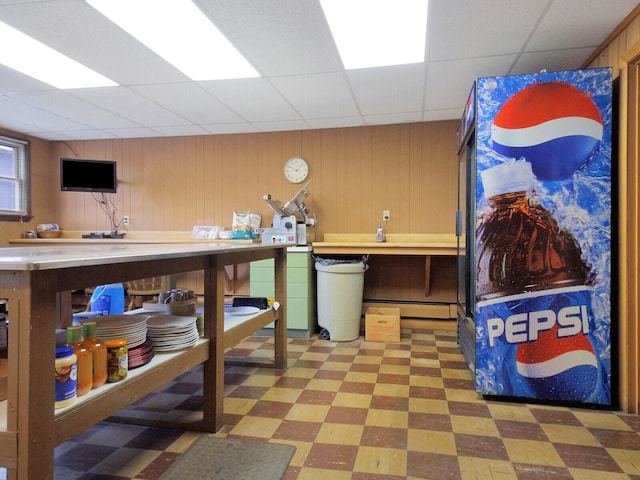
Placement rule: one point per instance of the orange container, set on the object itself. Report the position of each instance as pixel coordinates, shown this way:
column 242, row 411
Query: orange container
column 98, row 350
column 85, row 360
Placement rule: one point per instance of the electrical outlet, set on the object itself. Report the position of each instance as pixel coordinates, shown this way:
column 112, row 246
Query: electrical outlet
column 386, row 215
column 125, row 220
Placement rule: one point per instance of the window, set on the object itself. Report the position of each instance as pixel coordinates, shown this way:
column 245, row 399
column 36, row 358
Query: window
column 14, row 179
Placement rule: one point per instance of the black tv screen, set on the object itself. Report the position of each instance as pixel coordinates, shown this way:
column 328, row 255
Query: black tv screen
column 81, row 175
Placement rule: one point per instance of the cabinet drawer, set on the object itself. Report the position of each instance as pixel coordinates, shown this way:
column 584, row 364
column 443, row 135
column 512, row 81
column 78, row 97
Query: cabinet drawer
column 298, row 290
column 294, row 275
column 298, row 275
column 294, row 290
column 294, row 260
column 268, row 263
column 298, row 260
column 298, row 313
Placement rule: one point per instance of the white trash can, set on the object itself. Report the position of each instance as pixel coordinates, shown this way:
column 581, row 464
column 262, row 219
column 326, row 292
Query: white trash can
column 339, row 301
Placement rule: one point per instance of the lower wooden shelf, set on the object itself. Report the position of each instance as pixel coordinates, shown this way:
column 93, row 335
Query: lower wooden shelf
column 100, row 403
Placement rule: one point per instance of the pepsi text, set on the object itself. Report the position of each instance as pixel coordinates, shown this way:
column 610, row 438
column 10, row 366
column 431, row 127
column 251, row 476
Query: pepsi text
column 525, row 326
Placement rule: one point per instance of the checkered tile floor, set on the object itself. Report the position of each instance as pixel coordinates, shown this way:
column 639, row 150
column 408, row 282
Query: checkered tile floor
column 368, row 410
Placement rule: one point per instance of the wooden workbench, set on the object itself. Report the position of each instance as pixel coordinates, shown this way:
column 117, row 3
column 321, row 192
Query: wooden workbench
column 31, row 280
column 430, row 304
column 234, row 278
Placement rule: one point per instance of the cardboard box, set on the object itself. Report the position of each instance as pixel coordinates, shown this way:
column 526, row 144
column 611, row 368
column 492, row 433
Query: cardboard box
column 382, row 324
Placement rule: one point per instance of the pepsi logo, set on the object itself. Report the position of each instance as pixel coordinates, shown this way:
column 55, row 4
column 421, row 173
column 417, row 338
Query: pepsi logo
column 559, row 368
column 553, row 125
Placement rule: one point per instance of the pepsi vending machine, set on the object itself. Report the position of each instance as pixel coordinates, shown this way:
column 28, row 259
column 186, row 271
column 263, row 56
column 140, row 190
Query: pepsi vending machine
column 537, row 260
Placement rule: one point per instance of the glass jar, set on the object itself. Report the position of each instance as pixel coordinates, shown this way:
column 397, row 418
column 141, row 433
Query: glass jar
column 117, row 360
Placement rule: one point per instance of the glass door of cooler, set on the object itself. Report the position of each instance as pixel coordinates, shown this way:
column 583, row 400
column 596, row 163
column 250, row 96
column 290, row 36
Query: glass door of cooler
column 461, row 233
column 465, row 232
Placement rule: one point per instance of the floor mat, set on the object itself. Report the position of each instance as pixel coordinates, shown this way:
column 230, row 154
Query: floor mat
column 212, row 458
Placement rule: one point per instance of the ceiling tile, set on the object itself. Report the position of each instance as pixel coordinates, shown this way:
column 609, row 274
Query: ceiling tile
column 224, row 128
column 254, row 99
column 336, row 122
column 577, row 23
column 130, row 104
column 36, row 117
column 75, row 108
column 448, row 83
column 12, row 81
column 559, row 60
column 318, row 96
column 189, row 101
column 77, row 30
column 278, row 37
column 391, row 118
column 388, row 89
column 139, row 132
column 460, row 29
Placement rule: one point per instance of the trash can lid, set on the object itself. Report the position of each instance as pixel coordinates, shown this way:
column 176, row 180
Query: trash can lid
column 358, row 267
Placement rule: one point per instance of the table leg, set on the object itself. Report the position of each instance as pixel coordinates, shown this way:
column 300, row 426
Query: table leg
column 213, row 369
column 32, row 343
column 280, row 329
column 427, row 275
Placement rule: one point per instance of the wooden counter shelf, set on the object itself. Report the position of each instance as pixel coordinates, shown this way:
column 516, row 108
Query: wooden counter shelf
column 395, row 244
column 100, row 403
column 31, row 279
column 71, row 237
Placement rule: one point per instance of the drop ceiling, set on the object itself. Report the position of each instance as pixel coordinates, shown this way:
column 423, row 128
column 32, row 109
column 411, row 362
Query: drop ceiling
column 303, row 84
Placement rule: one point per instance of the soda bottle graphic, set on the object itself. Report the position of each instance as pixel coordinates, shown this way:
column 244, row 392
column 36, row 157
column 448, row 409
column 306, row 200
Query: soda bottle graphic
column 533, row 296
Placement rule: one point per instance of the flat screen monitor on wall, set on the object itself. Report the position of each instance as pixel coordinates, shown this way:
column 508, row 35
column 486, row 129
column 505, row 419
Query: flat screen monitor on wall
column 82, row 175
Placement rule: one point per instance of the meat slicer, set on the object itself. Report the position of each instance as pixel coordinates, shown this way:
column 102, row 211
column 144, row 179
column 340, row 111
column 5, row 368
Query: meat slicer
column 290, row 220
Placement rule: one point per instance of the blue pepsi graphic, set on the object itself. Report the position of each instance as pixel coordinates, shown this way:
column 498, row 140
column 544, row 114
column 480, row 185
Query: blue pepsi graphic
column 562, row 126
column 539, row 345
column 560, row 123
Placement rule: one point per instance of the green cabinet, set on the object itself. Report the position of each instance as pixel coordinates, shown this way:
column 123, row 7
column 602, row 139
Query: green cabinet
column 300, row 289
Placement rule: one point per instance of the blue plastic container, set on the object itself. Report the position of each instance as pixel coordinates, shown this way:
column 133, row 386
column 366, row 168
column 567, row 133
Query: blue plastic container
column 108, row 299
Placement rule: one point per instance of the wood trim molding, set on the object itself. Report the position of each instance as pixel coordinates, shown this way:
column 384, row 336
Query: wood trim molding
column 629, row 233
column 635, row 13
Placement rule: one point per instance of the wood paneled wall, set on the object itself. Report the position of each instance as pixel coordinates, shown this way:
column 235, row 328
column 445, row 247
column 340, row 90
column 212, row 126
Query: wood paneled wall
column 178, row 182
column 622, row 52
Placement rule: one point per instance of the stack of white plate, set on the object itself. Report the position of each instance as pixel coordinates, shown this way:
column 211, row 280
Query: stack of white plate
column 172, row 332
column 132, row 328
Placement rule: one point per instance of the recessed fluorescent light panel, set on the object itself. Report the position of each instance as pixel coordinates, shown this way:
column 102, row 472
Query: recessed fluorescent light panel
column 376, row 33
column 27, row 55
column 179, row 32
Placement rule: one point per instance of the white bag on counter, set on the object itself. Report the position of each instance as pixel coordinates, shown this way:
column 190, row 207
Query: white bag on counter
column 244, row 225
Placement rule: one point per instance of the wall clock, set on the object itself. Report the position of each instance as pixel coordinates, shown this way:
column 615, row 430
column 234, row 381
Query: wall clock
column 296, row 170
